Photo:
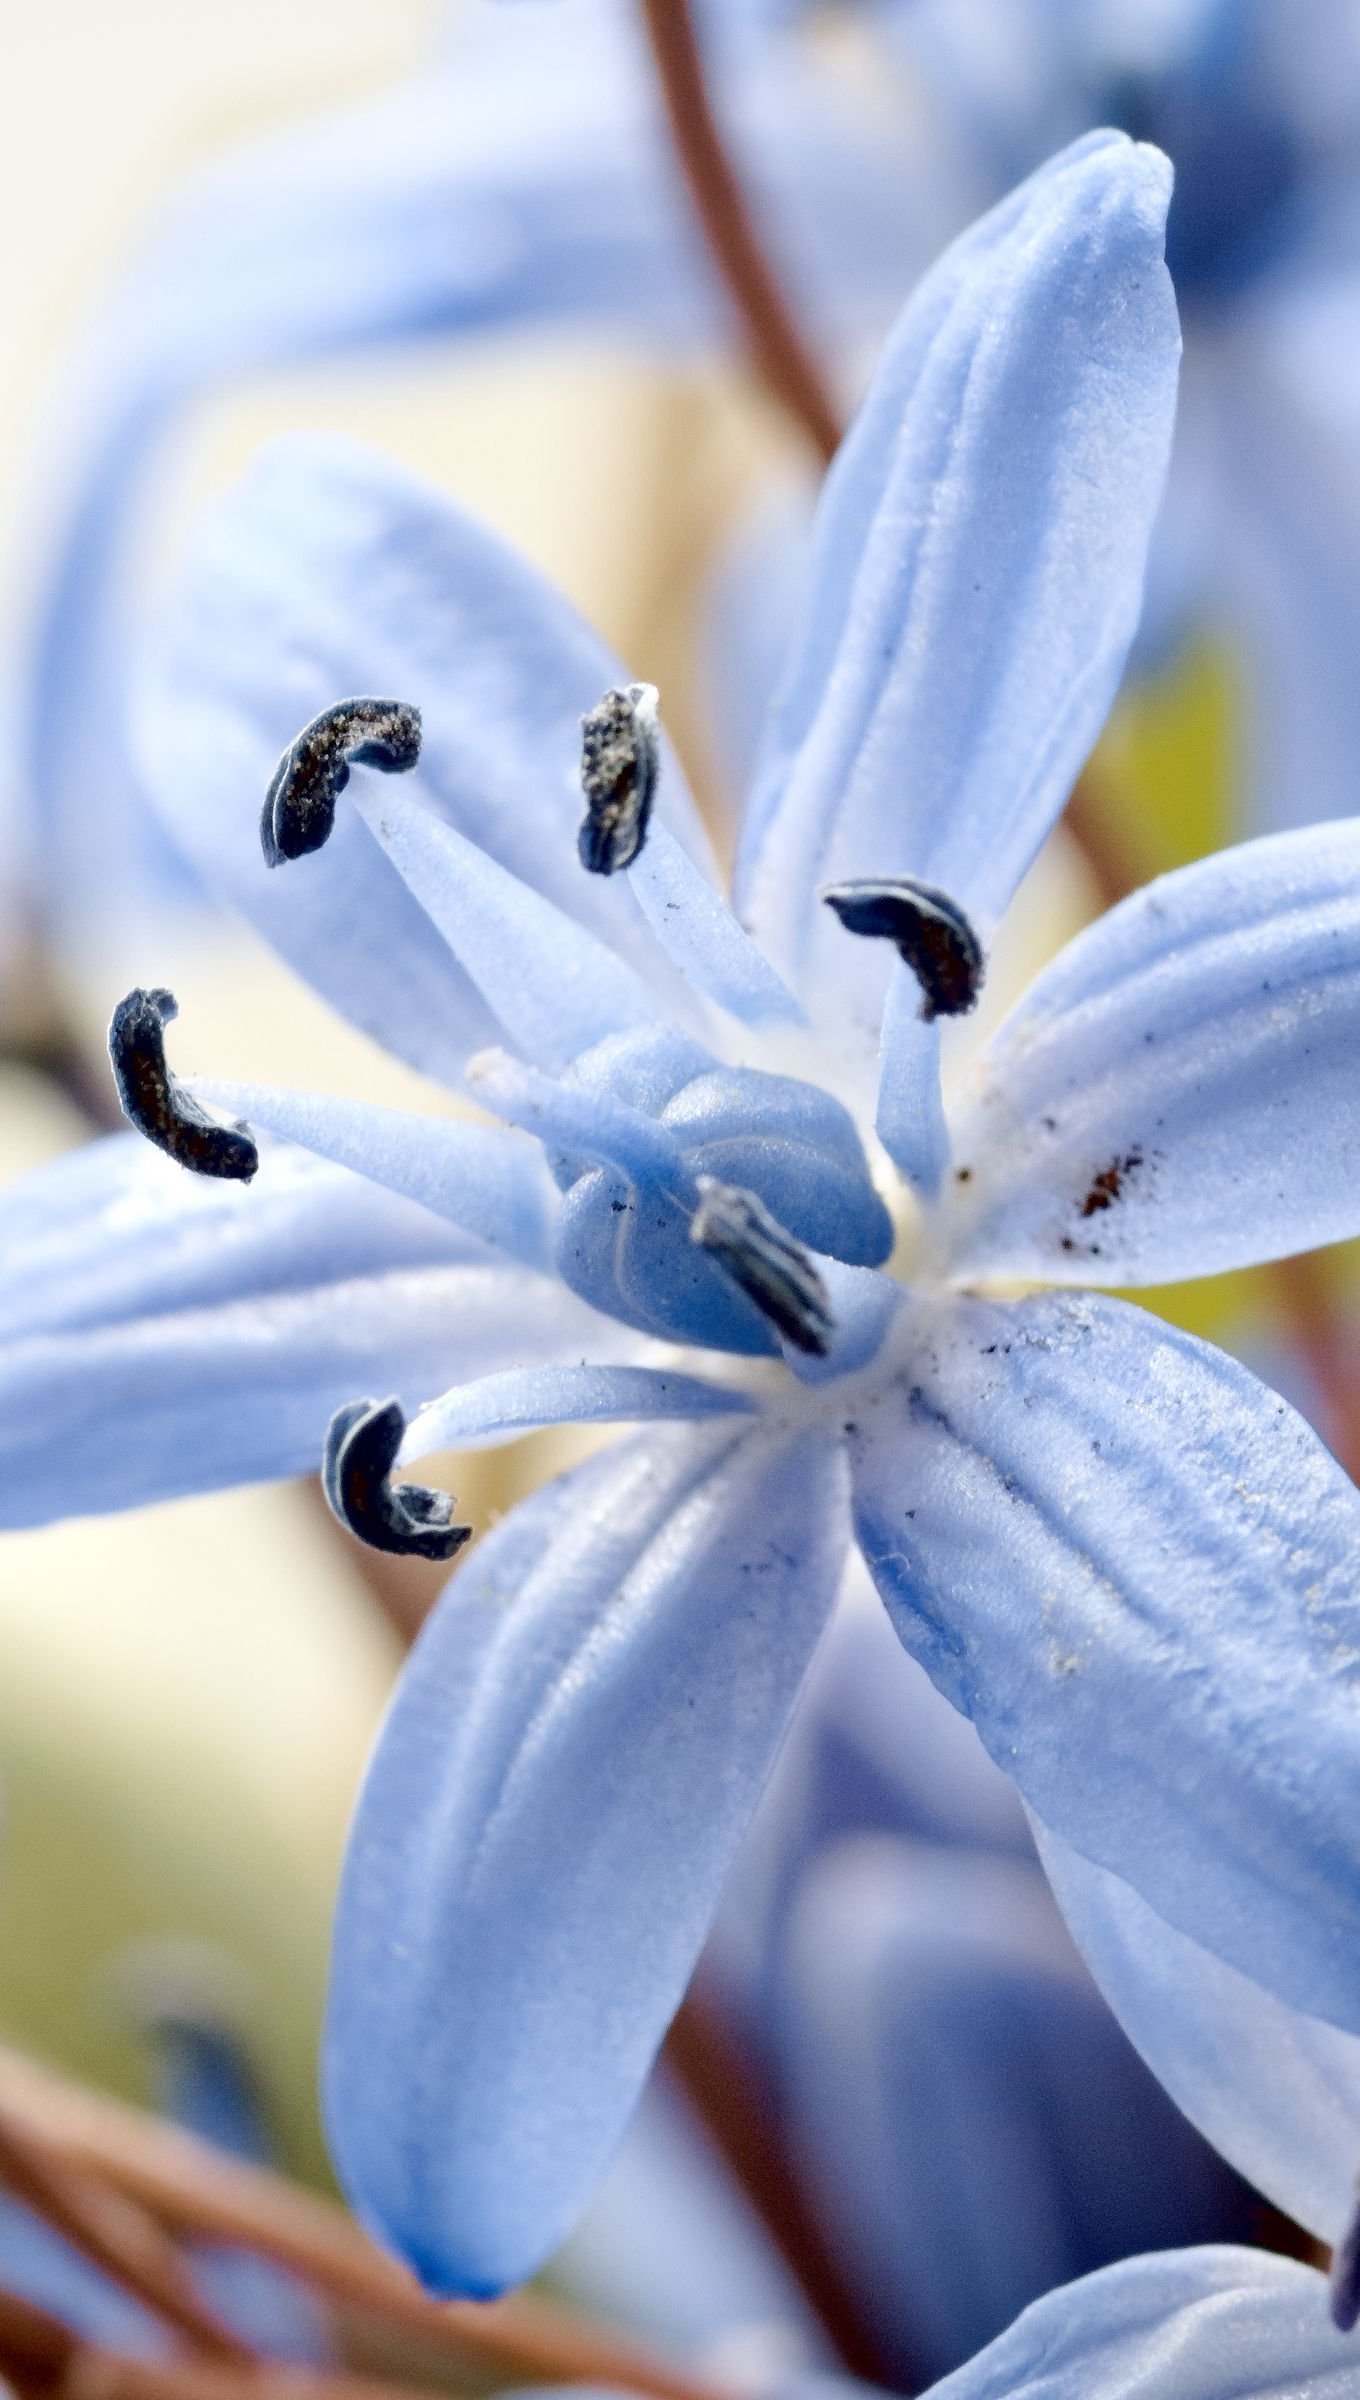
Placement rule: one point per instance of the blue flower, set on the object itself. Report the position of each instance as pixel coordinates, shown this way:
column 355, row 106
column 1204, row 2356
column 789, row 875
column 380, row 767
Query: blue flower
column 1128, row 1562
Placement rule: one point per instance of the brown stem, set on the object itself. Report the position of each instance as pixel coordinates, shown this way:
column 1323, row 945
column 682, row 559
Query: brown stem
column 784, row 361
column 193, row 2189
column 44, row 2360
column 114, row 2233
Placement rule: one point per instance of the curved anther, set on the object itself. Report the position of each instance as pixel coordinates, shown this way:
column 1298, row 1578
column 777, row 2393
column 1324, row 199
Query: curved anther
column 299, row 807
column 930, row 932
column 620, row 759
column 156, row 1102
column 765, row 1262
column 361, row 1450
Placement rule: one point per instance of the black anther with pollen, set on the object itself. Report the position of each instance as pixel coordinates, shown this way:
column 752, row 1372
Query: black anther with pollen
column 156, row 1102
column 930, row 932
column 299, row 807
column 765, row 1262
column 408, row 1518
column 620, row 760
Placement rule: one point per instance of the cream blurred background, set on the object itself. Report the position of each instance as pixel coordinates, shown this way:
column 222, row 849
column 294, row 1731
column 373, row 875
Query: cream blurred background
column 186, row 1695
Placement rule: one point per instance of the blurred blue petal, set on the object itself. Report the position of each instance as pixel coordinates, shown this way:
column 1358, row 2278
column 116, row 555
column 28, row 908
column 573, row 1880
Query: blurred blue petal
column 1288, row 477
column 974, row 2124
column 1276, row 2091
column 1176, row 1093
column 1133, row 1567
column 581, row 1763
column 206, row 2086
column 978, row 569
column 41, row 2266
column 670, row 2249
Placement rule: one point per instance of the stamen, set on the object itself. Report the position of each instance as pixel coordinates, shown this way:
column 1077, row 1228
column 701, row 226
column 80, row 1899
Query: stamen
column 765, row 1262
column 299, row 807
column 1345, row 2278
column 620, row 759
column 932, row 935
column 361, row 1450
column 156, row 1102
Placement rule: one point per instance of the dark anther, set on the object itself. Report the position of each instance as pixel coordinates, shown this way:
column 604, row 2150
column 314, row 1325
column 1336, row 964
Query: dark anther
column 156, row 1102
column 620, row 756
column 299, row 806
column 933, row 937
column 765, row 1262
column 1345, row 2282
column 361, row 1451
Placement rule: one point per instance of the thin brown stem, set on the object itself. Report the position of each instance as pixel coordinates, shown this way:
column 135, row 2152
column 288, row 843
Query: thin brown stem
column 44, row 2360
column 193, row 2189
column 113, row 2232
column 778, row 350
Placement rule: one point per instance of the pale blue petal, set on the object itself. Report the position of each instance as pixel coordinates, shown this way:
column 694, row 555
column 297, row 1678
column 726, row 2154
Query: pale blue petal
column 1276, row 2091
column 327, row 572
column 1177, row 1094
column 554, row 987
column 499, row 1408
column 553, row 1804
column 163, row 1336
column 973, row 2123
column 115, row 1231
column 1210, row 2324
column 979, row 571
column 493, row 1184
column 1135, row 1569
column 700, row 935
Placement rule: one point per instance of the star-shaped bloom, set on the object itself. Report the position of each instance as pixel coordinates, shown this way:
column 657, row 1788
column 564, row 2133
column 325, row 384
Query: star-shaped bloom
column 725, row 1193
